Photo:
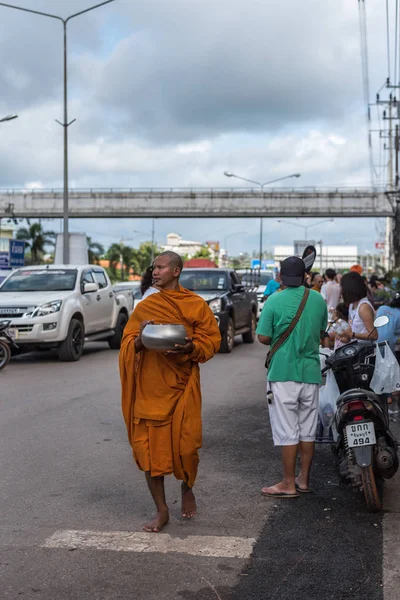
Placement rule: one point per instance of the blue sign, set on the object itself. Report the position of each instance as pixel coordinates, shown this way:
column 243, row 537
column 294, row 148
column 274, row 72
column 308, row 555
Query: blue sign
column 266, row 264
column 4, row 260
column 17, row 254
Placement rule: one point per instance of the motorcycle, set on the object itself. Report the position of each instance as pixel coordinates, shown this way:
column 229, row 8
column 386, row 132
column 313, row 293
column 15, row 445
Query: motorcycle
column 6, row 344
column 365, row 449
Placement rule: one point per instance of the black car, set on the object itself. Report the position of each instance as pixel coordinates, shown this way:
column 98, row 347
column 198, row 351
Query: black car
column 233, row 302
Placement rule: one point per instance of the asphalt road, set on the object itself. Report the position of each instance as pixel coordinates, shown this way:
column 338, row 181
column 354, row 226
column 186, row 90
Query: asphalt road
column 66, row 465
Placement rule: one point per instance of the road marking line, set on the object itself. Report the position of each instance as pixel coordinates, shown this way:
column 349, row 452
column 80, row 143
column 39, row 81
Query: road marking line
column 127, row 541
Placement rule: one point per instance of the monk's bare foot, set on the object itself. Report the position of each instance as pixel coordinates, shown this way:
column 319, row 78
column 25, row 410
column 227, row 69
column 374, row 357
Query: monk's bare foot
column 189, row 508
column 160, row 520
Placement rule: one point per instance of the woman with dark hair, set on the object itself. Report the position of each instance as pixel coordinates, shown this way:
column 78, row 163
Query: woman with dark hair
column 361, row 311
column 146, row 285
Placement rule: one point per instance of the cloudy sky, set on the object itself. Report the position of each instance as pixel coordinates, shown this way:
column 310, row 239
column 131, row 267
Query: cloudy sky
column 172, row 93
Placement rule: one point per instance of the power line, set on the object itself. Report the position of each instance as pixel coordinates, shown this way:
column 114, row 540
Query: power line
column 388, row 37
column 396, row 38
column 365, row 76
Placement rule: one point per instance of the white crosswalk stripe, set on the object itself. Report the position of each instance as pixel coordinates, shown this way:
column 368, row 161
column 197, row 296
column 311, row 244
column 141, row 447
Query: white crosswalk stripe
column 127, row 541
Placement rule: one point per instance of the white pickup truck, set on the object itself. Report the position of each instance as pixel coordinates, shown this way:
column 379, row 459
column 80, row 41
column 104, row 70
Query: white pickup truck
column 56, row 306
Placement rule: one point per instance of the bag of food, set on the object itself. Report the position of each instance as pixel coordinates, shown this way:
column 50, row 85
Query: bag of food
column 386, row 377
column 328, row 395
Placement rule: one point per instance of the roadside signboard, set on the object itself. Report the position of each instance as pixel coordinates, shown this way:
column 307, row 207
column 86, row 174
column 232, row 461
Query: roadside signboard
column 16, row 254
column 266, row 264
column 379, row 245
column 4, row 261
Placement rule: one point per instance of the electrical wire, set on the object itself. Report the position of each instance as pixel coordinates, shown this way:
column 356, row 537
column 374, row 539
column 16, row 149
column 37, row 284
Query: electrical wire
column 396, row 38
column 388, row 37
column 365, row 76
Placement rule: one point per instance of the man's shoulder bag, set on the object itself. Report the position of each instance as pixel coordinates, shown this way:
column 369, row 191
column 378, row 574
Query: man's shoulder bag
column 289, row 330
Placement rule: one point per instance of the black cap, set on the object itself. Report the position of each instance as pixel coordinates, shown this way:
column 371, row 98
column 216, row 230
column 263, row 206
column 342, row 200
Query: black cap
column 293, row 270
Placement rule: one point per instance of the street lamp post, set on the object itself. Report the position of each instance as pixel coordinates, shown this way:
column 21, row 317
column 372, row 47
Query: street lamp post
column 305, row 227
column 261, row 186
column 65, row 124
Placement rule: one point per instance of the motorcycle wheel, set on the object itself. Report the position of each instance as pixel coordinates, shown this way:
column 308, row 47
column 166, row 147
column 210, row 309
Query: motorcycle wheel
column 5, row 354
column 371, row 492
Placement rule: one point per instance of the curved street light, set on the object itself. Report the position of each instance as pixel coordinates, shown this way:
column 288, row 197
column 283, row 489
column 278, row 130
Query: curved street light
column 261, row 186
column 8, row 118
column 65, row 124
column 306, row 227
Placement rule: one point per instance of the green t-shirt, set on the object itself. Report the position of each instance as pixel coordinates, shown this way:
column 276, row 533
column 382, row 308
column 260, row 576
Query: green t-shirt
column 298, row 358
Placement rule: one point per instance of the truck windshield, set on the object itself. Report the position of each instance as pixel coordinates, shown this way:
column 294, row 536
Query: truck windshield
column 203, row 281
column 46, row 280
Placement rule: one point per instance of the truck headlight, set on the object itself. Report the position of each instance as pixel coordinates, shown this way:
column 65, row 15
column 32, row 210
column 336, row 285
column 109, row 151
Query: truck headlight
column 215, row 305
column 45, row 309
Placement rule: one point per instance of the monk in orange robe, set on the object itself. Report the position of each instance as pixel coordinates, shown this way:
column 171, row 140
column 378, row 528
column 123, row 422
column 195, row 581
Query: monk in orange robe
column 161, row 396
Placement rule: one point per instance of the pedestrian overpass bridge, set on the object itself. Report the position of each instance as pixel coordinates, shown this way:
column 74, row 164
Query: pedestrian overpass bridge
column 199, row 202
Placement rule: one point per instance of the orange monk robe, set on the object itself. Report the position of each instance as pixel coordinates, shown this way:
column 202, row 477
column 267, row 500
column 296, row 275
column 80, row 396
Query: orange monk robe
column 161, row 396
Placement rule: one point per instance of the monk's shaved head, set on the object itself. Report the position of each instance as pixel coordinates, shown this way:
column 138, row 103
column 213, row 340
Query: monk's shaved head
column 174, row 259
column 167, row 268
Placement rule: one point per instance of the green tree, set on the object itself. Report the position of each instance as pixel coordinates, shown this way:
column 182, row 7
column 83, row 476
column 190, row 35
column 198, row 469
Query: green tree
column 142, row 257
column 95, row 251
column 36, row 239
column 203, row 253
column 119, row 253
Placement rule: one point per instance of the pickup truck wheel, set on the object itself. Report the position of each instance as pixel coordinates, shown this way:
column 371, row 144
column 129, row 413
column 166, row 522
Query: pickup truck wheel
column 250, row 336
column 115, row 341
column 70, row 350
column 228, row 338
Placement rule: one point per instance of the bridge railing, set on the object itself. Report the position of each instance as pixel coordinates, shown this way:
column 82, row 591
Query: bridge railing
column 206, row 190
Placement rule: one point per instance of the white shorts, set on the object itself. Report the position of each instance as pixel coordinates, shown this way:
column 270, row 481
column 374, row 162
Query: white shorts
column 293, row 412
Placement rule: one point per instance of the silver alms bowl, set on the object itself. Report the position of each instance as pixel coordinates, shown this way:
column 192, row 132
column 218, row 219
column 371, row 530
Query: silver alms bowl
column 163, row 337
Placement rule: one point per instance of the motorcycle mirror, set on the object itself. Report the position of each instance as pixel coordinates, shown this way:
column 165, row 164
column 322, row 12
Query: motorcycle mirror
column 381, row 321
column 309, row 256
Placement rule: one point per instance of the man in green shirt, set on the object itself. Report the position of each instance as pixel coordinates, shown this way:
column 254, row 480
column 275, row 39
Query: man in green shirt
column 294, row 376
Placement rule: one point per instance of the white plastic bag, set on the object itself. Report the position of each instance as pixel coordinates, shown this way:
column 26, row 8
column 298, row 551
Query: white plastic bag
column 386, row 377
column 328, row 395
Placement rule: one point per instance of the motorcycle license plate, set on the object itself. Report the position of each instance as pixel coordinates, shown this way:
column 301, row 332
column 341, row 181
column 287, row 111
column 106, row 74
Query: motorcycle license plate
column 13, row 333
column 360, row 433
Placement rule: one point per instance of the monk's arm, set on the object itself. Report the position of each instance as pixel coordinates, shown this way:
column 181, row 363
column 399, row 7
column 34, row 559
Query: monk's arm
column 206, row 335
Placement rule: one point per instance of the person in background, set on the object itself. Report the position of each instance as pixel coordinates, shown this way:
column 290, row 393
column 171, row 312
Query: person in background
column 356, row 269
column 147, row 286
column 361, row 311
column 340, row 318
column 390, row 332
column 331, row 289
column 317, row 282
column 273, row 286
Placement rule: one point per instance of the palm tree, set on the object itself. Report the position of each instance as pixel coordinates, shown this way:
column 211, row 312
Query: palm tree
column 141, row 258
column 36, row 239
column 95, row 251
column 119, row 253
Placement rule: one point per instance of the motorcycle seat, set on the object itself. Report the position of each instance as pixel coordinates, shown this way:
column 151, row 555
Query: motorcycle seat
column 357, row 394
